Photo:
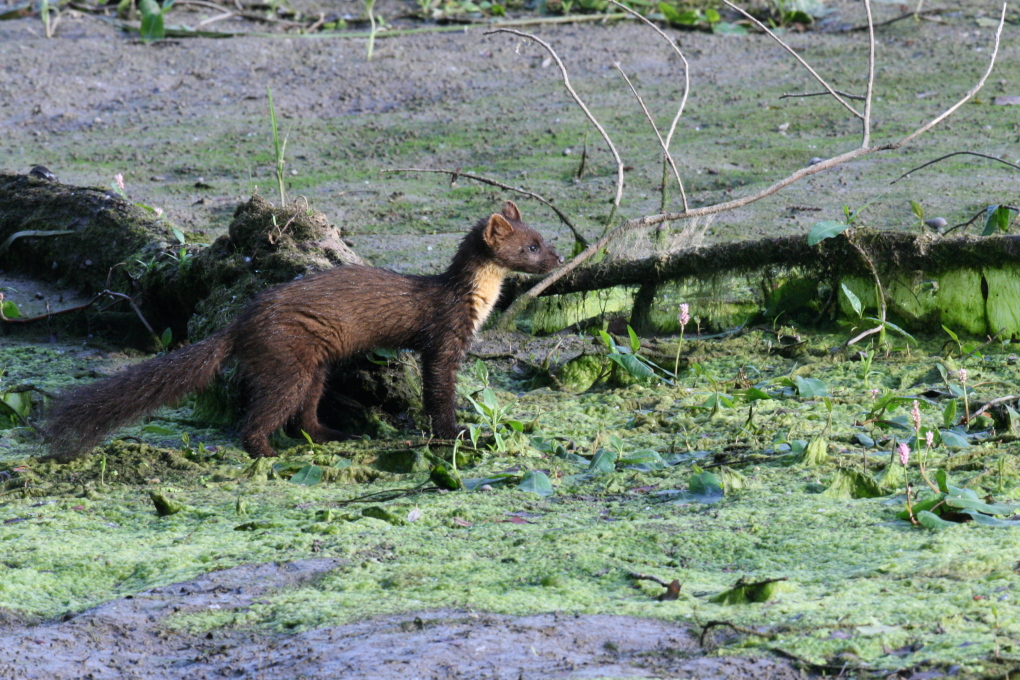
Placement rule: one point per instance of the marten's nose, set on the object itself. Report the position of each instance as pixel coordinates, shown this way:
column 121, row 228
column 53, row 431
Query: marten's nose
column 560, row 259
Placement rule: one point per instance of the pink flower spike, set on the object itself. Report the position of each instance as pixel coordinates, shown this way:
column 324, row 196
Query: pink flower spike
column 685, row 316
column 963, row 375
column 904, row 452
column 119, row 179
column 929, row 438
column 874, row 393
column 915, row 414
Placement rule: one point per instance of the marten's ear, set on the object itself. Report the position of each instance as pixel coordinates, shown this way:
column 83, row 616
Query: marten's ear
column 497, row 230
column 511, row 212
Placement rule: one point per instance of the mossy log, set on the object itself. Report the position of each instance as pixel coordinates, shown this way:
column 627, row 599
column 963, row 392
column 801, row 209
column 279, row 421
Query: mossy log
column 94, row 240
column 971, row 284
column 890, row 252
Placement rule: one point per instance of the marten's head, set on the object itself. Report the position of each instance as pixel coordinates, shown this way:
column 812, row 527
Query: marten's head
column 517, row 246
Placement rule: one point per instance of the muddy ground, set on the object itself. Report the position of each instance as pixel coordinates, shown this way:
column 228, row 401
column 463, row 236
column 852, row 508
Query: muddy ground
column 185, row 122
column 124, row 639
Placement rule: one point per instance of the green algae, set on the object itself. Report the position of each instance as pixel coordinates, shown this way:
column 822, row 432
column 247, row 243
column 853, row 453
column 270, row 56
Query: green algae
column 850, row 565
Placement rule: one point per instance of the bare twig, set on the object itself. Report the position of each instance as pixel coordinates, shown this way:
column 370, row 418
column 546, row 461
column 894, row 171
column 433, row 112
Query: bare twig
column 966, row 98
column 964, row 224
column 992, row 403
column 652, row 220
column 649, row 577
column 683, row 99
column 950, row 155
column 655, row 129
column 796, row 56
column 858, row 97
column 598, row 126
column 983, row 345
column 212, row 20
column 916, row 15
column 866, row 135
column 486, row 180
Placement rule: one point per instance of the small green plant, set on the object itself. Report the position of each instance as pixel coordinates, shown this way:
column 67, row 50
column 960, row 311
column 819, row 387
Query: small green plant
column 950, row 505
column 998, row 218
column 279, row 148
column 629, row 358
column 370, row 11
column 152, row 19
column 718, row 399
column 49, row 23
column 918, row 211
column 496, row 417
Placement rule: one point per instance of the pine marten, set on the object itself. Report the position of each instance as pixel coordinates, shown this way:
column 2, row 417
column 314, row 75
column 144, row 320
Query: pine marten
column 286, row 339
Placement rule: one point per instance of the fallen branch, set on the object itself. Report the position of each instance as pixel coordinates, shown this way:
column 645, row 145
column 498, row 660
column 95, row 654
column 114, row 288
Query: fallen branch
column 992, row 403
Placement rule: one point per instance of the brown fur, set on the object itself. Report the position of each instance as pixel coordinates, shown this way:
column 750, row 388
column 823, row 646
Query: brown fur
column 285, row 341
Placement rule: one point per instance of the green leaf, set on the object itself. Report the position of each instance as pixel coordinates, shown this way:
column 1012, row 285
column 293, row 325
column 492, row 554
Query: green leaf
column 711, row 15
column 986, row 521
column 536, row 482
column 728, row 28
column 705, row 487
column 893, row 327
column 942, row 481
column 515, row 425
column 604, row 461
column 955, row 339
column 981, row 506
column 642, row 457
column 811, row 388
column 494, row 480
column 825, row 229
column 606, row 338
column 852, row 483
column 635, row 342
column 10, row 310
column 309, row 475
column 753, row 394
column 166, row 338
column 179, row 235
column 949, row 413
column 633, row 365
column 916, row 208
column 854, row 301
column 933, row 521
column 156, row 429
column 954, row 440
column 445, row 479
column 18, row 402
column 718, row 401
column 997, row 219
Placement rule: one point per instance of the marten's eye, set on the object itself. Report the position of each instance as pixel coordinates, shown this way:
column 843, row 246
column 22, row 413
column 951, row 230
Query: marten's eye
column 533, row 248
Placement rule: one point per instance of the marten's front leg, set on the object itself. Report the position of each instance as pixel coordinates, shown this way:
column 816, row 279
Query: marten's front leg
column 439, row 381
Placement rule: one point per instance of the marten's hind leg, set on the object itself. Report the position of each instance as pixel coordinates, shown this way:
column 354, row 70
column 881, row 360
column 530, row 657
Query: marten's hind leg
column 308, row 416
column 273, row 395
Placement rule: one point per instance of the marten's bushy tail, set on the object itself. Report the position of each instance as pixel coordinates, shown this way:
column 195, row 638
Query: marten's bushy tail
column 79, row 420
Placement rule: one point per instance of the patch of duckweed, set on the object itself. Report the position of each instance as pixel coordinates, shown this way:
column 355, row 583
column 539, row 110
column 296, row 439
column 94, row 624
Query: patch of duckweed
column 856, row 580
